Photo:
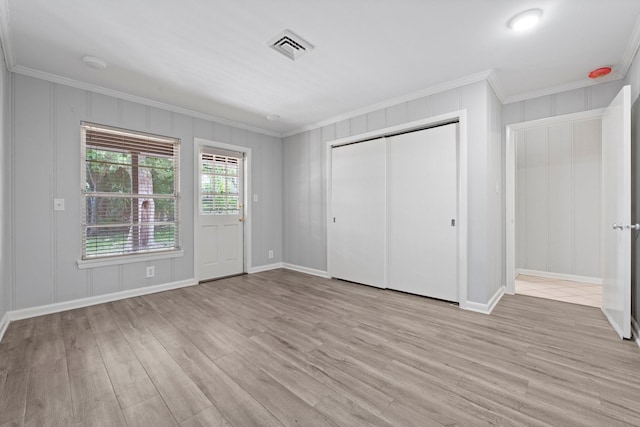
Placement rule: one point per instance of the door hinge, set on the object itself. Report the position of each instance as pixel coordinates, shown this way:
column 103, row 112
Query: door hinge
column 453, row 222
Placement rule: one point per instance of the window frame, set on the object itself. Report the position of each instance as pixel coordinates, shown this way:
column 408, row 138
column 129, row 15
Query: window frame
column 135, row 255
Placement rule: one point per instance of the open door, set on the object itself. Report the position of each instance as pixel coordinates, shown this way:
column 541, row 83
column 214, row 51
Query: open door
column 616, row 213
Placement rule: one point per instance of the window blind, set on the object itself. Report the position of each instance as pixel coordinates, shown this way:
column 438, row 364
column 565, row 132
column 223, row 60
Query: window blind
column 130, row 192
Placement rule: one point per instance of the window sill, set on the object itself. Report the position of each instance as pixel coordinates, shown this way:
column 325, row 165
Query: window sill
column 127, row 259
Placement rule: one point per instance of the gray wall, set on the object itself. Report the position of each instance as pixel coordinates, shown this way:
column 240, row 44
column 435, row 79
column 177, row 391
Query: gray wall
column 495, row 194
column 558, row 198
column 633, row 78
column 5, row 167
column 305, row 234
column 46, row 165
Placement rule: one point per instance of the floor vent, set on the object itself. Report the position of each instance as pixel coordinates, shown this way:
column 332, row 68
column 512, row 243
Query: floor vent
column 290, row 45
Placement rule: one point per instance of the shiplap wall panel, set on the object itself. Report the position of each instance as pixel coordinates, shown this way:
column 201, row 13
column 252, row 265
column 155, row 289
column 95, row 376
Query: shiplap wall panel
column 103, row 280
column 570, row 102
column 376, row 120
column 47, row 119
column 587, row 148
column 558, row 198
column 183, row 125
column 419, row 108
column 343, row 129
column 358, row 125
column 445, row 102
column 5, row 191
column 396, row 114
column 33, row 202
column 496, row 216
column 535, row 191
column 560, row 215
column 317, row 215
column 520, row 202
column 70, row 108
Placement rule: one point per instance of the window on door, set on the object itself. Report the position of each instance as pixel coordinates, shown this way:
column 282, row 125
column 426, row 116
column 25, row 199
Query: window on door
column 129, row 192
column 219, row 186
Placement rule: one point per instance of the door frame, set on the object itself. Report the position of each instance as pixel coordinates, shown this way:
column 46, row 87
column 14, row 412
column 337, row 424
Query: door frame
column 462, row 244
column 510, row 183
column 198, row 143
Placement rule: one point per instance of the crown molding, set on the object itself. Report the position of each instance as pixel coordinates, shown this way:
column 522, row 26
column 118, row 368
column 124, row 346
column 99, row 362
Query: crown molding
column 492, row 78
column 19, row 69
column 577, row 84
column 452, row 84
column 631, row 50
column 6, row 39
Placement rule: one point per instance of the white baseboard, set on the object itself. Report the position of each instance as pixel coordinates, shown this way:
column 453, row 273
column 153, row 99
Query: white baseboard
column 306, row 270
column 26, row 313
column 484, row 308
column 560, row 276
column 4, row 324
column 635, row 329
column 261, row 268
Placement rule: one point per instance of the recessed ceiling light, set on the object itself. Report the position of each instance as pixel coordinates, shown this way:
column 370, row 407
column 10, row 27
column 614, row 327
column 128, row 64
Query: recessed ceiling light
column 273, row 117
column 93, row 62
column 525, row 20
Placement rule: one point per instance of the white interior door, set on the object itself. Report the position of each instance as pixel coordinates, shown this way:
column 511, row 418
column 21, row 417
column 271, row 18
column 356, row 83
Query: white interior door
column 422, row 207
column 616, row 213
column 358, row 212
column 221, row 234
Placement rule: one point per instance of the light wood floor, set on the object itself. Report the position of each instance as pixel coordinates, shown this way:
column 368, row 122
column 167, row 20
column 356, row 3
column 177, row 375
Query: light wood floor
column 283, row 348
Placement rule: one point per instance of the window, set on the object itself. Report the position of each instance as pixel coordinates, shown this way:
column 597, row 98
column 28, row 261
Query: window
column 129, row 191
column 219, row 184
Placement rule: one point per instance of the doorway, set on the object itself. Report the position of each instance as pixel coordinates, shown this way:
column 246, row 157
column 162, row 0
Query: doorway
column 555, row 185
column 221, row 212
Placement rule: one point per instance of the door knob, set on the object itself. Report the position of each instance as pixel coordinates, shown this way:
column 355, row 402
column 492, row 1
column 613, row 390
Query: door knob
column 633, row 227
column 617, row 226
column 241, row 219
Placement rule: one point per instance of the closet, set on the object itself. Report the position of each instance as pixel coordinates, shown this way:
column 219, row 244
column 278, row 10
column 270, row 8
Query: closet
column 394, row 212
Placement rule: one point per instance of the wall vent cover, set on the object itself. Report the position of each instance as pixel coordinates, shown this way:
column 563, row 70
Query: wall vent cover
column 290, row 45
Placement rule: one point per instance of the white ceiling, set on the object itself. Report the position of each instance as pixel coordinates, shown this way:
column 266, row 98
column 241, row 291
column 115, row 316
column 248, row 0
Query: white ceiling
column 211, row 56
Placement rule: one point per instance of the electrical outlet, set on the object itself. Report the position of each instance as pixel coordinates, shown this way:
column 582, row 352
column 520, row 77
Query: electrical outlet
column 270, row 253
column 151, row 271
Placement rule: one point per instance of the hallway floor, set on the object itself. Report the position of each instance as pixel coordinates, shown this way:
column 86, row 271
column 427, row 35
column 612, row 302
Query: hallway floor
column 559, row 290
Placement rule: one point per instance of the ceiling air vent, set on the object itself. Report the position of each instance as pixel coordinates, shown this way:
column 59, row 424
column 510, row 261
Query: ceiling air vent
column 290, row 45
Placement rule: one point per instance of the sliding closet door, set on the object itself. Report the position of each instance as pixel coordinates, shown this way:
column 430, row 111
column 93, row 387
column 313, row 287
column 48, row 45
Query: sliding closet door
column 422, row 197
column 358, row 213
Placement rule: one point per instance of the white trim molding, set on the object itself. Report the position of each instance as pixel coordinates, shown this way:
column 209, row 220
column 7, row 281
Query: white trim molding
column 127, row 259
column 42, row 310
column 306, row 270
column 489, row 306
column 635, row 330
column 4, row 324
column 560, row 276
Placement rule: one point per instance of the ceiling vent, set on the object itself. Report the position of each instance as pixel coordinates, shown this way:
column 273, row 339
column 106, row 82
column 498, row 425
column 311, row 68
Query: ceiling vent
column 290, row 45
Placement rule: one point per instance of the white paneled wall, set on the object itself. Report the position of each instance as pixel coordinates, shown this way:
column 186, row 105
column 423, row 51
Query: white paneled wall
column 558, row 198
column 305, row 227
column 46, row 165
column 5, row 167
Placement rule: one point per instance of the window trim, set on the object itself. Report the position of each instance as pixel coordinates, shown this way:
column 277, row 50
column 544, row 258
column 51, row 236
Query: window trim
column 138, row 256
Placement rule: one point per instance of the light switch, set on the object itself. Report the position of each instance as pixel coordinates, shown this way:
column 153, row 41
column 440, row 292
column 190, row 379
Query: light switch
column 58, row 204
column 255, row 198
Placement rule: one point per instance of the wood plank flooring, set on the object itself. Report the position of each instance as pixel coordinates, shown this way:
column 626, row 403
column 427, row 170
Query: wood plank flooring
column 283, row 348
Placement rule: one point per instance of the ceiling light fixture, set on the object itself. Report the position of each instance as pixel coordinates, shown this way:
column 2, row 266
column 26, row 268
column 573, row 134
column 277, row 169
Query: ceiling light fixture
column 599, row 72
column 525, row 20
column 93, row 62
column 273, row 117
